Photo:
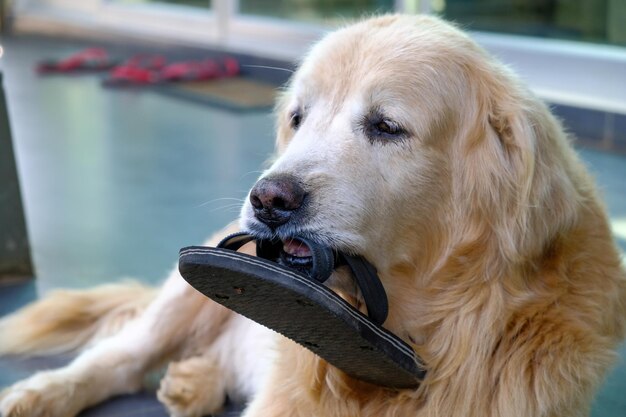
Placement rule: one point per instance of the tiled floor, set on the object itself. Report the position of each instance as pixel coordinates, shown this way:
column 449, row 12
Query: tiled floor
column 116, row 181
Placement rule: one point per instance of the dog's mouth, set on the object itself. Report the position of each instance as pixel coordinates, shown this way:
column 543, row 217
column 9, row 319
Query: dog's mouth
column 318, row 263
column 296, row 254
column 300, row 253
column 304, row 253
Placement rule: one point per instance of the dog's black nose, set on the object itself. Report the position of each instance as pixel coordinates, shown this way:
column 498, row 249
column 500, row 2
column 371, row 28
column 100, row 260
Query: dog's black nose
column 275, row 198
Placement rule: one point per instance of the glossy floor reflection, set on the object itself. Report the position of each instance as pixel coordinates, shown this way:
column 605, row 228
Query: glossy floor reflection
column 116, row 181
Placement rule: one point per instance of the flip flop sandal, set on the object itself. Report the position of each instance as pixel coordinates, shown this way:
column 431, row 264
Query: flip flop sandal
column 295, row 303
column 207, row 69
column 152, row 62
column 138, row 70
column 91, row 59
column 128, row 75
column 190, row 71
column 231, row 67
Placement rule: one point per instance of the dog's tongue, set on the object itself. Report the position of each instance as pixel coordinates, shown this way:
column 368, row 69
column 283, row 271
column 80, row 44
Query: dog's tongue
column 296, row 248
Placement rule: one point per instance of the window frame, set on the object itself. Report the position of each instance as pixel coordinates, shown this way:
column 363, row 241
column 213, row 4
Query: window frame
column 588, row 75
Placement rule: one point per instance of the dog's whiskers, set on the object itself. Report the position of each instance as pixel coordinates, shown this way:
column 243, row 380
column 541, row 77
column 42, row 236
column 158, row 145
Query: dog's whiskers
column 250, row 173
column 239, row 201
column 270, row 67
column 229, row 209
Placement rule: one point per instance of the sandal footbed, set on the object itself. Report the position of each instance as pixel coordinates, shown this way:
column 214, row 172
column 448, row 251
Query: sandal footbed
column 303, row 310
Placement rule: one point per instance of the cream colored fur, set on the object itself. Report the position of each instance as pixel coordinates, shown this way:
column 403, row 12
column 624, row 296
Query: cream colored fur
column 67, row 320
column 485, row 228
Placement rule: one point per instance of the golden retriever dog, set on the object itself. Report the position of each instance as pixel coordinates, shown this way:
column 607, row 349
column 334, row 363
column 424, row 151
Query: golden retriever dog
column 417, row 150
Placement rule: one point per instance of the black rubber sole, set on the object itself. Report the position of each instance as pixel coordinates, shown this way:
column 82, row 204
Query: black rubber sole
column 302, row 310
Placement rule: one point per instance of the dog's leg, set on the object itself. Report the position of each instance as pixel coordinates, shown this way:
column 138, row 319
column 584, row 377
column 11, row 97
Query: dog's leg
column 235, row 364
column 193, row 387
column 115, row 365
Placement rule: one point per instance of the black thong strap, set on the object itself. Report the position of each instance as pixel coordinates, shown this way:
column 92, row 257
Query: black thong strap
column 325, row 260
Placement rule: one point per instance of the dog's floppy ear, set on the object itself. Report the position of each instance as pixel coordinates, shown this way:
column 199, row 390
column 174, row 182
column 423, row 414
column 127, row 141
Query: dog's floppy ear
column 515, row 183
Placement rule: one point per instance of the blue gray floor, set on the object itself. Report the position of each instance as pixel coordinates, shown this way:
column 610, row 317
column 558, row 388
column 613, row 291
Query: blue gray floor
column 115, row 182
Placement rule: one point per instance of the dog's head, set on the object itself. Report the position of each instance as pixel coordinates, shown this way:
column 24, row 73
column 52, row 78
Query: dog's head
column 401, row 140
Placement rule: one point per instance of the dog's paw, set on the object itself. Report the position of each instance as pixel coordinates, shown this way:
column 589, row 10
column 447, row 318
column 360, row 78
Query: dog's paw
column 42, row 395
column 19, row 403
column 192, row 388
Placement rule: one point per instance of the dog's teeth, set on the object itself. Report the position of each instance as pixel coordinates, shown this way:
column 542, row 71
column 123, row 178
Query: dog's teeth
column 296, row 248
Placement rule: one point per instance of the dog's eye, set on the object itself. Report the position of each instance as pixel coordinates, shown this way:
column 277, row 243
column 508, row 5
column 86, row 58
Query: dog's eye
column 388, row 127
column 382, row 128
column 295, row 119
